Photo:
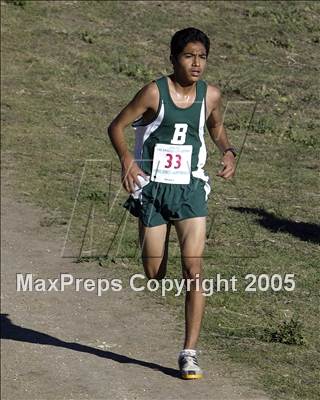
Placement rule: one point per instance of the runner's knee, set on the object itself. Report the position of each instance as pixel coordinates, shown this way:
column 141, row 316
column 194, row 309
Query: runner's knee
column 154, row 269
column 158, row 275
column 192, row 268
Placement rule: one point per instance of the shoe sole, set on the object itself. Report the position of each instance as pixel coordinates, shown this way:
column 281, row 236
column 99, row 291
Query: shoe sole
column 189, row 376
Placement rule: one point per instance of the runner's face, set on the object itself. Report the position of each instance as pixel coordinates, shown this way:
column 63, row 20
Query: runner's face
column 191, row 62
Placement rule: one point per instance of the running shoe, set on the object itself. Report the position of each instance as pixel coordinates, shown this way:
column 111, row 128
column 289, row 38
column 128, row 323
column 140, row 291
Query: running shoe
column 188, row 364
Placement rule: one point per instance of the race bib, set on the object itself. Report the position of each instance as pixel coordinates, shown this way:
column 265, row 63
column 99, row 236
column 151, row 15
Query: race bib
column 171, row 163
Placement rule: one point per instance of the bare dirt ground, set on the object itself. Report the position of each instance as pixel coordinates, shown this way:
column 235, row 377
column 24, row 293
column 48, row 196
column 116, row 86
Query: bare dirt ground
column 76, row 345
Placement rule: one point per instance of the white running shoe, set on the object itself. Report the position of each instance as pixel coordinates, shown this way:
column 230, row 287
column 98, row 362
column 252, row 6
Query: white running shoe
column 188, row 364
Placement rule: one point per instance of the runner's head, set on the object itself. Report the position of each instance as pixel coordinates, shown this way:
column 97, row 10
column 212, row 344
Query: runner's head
column 189, row 52
column 181, row 38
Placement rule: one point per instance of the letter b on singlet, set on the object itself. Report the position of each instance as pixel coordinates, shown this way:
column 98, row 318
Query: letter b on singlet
column 180, row 131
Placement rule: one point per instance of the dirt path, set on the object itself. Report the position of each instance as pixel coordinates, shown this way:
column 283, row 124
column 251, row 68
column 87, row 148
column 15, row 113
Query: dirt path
column 76, row 345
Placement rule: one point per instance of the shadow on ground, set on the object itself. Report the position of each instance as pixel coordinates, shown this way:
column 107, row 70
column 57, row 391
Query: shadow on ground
column 302, row 230
column 14, row 332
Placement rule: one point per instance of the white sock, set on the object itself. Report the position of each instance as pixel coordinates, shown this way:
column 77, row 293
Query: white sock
column 188, row 351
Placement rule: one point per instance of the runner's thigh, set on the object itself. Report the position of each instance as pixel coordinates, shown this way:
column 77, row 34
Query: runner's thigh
column 192, row 235
column 153, row 241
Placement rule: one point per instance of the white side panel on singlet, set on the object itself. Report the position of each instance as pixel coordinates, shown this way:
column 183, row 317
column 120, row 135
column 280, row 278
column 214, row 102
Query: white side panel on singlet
column 199, row 172
column 143, row 132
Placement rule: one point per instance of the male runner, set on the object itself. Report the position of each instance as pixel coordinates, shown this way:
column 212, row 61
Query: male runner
column 165, row 177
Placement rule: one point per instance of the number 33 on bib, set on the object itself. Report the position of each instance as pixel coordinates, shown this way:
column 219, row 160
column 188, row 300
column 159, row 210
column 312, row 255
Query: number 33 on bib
column 172, row 162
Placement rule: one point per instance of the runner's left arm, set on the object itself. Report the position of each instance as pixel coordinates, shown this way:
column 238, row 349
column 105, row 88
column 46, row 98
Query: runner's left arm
column 218, row 133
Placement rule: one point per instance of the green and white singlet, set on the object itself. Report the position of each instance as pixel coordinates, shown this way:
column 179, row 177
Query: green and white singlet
column 171, row 151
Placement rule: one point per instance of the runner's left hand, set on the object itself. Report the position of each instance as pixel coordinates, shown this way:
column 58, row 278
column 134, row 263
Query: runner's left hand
column 229, row 166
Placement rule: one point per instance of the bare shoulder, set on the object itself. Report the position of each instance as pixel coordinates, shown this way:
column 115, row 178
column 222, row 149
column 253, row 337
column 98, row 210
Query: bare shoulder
column 149, row 95
column 213, row 100
column 213, row 96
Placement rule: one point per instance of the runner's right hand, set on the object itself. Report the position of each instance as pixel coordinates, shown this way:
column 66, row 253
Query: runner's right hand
column 130, row 172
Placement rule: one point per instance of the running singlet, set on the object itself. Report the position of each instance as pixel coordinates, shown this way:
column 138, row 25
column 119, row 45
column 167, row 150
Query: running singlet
column 171, row 147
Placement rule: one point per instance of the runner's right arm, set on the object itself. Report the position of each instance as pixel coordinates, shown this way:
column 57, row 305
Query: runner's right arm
column 146, row 99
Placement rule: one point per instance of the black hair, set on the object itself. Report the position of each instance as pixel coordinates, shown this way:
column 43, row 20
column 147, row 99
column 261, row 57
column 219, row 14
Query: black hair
column 181, row 38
